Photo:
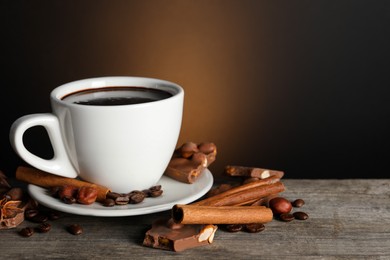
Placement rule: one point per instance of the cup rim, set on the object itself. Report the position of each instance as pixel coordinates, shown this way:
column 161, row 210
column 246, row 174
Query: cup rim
column 63, row 90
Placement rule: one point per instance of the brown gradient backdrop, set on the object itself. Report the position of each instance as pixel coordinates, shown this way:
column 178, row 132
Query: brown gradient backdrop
column 299, row 86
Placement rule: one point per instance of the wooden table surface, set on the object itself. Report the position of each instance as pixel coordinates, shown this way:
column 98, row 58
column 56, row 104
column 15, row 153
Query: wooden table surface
column 348, row 219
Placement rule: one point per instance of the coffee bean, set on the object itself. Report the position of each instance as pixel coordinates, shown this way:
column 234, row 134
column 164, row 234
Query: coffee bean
column 137, row 198
column 147, row 193
column 113, row 195
column 53, row 191
column 30, row 213
column 233, row 227
column 75, row 229
column 43, row 227
column 108, row 202
column 155, row 188
column 300, row 215
column 254, row 228
column 53, row 215
column 287, row 217
column 122, row 200
column 156, row 193
column 39, row 218
column 298, row 203
column 69, row 200
column 26, row 232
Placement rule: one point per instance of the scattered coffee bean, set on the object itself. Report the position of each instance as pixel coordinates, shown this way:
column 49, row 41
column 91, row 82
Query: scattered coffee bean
column 113, row 195
column 137, row 197
column 30, row 213
column 233, row 227
column 287, row 217
column 69, row 200
column 75, row 229
column 146, row 193
column 39, row 218
column 298, row 203
column 300, row 215
column 53, row 191
column 155, row 188
column 122, row 200
column 254, row 228
column 53, row 215
column 156, row 193
column 43, row 227
column 108, row 202
column 26, row 232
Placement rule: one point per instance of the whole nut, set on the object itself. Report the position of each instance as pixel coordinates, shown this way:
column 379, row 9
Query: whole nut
column 280, row 205
column 188, row 149
column 67, row 191
column 207, row 148
column 87, row 195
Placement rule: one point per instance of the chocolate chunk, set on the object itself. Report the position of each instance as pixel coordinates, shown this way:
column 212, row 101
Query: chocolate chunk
column 162, row 235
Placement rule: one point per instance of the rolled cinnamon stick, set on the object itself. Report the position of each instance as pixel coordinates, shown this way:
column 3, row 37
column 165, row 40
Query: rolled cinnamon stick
column 245, row 193
column 190, row 214
column 47, row 180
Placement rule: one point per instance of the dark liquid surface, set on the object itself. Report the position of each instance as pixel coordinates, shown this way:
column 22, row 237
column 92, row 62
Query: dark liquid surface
column 115, row 96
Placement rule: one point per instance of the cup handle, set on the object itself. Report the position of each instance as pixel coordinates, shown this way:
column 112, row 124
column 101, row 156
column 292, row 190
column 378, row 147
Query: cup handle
column 60, row 164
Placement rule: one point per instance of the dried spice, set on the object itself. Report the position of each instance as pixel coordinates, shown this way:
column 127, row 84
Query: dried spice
column 9, row 209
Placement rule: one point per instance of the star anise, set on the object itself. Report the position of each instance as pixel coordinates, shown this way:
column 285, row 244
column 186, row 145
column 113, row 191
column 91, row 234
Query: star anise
column 9, row 209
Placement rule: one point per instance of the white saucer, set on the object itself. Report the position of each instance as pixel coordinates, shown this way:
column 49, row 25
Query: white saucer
column 174, row 193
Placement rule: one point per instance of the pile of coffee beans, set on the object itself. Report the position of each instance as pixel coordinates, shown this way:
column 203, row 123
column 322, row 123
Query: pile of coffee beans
column 133, row 197
column 70, row 195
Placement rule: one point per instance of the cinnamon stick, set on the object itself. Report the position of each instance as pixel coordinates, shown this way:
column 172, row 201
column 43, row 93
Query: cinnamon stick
column 192, row 214
column 244, row 193
column 254, row 172
column 47, row 180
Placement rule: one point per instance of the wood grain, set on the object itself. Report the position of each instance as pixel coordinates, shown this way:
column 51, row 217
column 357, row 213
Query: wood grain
column 348, row 219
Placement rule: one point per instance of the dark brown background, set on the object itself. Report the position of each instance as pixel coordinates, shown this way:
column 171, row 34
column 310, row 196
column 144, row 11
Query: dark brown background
column 299, row 86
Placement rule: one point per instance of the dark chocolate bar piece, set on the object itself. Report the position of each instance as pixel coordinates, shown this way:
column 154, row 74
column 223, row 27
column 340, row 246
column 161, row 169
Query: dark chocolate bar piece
column 167, row 235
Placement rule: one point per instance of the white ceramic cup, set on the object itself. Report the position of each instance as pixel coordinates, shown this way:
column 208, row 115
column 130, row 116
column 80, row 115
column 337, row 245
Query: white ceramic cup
column 123, row 147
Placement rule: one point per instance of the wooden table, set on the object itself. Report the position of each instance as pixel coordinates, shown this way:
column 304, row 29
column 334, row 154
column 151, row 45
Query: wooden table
column 349, row 219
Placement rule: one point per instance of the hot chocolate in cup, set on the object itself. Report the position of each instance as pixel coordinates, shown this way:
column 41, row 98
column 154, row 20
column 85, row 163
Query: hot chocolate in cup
column 119, row 132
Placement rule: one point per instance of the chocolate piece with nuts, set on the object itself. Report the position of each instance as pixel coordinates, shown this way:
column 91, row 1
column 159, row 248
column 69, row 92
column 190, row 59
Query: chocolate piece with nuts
column 252, row 172
column 189, row 161
column 164, row 235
